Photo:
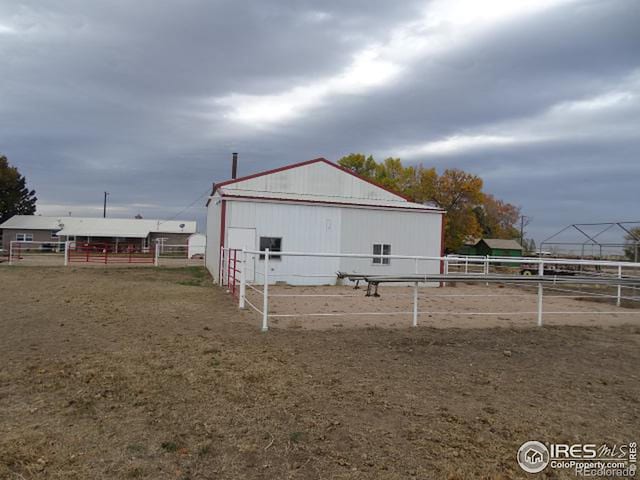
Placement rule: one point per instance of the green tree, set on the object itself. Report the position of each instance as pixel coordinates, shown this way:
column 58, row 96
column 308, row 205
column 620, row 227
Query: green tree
column 15, row 197
column 529, row 246
column 360, row 164
column 470, row 212
column 458, row 192
column 497, row 219
column 632, row 245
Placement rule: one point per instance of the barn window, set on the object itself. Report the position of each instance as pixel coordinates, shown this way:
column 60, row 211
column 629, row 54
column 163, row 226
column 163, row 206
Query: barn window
column 274, row 244
column 380, row 249
column 24, row 237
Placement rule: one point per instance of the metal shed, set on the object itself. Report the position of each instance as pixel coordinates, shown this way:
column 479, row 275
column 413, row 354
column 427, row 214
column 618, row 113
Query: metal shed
column 318, row 206
column 498, row 247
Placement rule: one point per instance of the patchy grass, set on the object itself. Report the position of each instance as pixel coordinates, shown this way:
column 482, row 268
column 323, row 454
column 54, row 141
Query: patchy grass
column 169, row 446
column 296, row 437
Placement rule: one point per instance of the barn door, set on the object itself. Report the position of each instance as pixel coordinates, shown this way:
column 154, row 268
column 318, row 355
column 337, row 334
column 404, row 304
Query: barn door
column 244, row 238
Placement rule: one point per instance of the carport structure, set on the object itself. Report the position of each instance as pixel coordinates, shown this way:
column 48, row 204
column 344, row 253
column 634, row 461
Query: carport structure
column 599, row 238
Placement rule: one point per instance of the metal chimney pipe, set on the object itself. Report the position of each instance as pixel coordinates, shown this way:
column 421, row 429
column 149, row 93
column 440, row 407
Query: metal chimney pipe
column 234, row 166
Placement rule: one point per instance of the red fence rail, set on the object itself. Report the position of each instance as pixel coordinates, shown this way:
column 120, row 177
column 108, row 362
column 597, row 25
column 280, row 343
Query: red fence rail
column 233, row 272
column 108, row 253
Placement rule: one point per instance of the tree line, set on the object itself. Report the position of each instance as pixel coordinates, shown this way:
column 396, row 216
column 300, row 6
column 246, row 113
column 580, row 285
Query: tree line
column 471, row 212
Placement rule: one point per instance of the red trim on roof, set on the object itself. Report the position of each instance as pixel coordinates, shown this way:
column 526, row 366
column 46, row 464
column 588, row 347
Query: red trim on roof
column 302, row 164
column 338, row 204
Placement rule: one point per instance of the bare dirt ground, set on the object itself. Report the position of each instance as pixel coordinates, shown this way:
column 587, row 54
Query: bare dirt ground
column 154, row 373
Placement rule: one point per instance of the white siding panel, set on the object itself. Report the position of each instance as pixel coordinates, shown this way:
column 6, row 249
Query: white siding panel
column 303, row 228
column 408, row 233
column 328, row 229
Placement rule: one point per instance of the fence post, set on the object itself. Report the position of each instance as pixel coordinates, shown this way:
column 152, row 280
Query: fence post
column 540, row 293
column 466, row 265
column 11, row 252
column 619, row 286
column 243, row 278
column 446, row 270
column 221, row 265
column 234, row 269
column 486, row 267
column 66, row 253
column 415, row 305
column 156, row 255
column 265, row 293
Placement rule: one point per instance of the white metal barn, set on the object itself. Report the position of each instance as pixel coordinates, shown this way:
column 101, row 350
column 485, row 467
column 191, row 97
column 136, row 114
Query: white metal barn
column 318, row 206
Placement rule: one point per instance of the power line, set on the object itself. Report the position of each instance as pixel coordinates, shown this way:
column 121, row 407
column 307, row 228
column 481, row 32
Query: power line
column 206, row 192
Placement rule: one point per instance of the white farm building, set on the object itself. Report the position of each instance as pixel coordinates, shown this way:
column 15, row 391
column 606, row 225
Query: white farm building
column 318, row 206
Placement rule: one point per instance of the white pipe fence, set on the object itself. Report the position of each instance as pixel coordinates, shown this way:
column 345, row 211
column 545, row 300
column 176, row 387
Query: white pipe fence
column 59, row 253
column 232, row 280
column 22, row 250
column 175, row 255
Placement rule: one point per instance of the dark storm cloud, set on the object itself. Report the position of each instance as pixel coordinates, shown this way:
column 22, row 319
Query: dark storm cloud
column 139, row 98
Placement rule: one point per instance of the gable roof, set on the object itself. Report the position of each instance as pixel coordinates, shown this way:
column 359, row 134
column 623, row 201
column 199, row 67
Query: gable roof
column 99, row 227
column 32, row 222
column 302, row 164
column 502, row 244
column 315, row 181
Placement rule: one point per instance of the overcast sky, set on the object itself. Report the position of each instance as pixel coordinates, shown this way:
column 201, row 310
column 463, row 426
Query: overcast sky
column 147, row 99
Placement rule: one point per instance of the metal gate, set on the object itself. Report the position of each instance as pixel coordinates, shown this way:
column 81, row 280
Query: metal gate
column 108, row 253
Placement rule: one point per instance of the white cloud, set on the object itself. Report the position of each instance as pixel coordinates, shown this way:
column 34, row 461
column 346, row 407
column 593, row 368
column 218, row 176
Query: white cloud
column 568, row 120
column 7, row 29
column 317, row 16
column 75, row 210
column 366, row 71
column 445, row 24
column 595, row 104
column 474, row 12
column 458, row 144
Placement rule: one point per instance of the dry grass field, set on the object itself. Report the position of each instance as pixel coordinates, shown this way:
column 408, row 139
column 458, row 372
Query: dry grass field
column 154, row 374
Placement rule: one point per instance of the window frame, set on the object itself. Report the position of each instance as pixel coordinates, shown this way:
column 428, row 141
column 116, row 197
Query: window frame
column 377, row 258
column 271, row 255
column 25, row 237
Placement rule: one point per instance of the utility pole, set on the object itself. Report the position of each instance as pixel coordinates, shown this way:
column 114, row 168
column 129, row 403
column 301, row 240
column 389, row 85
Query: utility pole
column 104, row 208
column 524, row 221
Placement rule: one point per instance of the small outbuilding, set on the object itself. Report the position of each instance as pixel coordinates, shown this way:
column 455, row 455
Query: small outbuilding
column 197, row 244
column 498, row 247
column 49, row 230
column 318, row 206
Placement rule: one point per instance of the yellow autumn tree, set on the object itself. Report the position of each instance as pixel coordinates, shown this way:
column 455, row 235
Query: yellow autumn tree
column 470, row 212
